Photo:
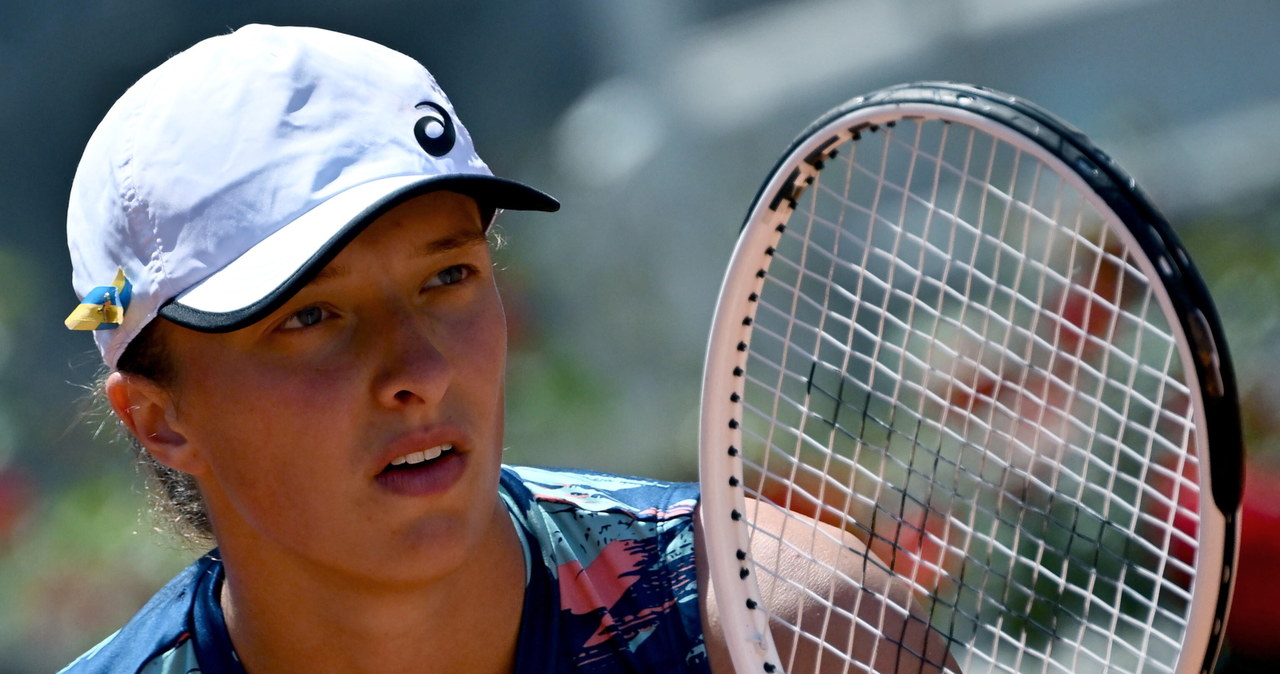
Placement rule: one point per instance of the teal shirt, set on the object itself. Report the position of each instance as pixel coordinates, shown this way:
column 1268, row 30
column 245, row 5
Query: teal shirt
column 610, row 586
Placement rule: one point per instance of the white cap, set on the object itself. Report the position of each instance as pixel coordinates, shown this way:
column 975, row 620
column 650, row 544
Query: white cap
column 225, row 178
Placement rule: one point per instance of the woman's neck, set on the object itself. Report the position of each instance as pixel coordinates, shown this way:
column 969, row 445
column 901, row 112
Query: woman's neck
column 300, row 619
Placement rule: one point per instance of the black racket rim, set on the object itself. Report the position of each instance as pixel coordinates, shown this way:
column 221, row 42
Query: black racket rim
column 1196, row 313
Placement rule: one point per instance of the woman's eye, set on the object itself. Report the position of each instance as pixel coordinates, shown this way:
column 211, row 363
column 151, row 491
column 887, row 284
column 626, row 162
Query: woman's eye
column 305, row 318
column 449, row 276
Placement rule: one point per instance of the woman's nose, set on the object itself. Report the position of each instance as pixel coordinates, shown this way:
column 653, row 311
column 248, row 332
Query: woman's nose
column 412, row 370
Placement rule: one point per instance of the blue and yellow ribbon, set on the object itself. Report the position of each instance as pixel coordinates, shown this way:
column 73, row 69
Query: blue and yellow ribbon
column 103, row 307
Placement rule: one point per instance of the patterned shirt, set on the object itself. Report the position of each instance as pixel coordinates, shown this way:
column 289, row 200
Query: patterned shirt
column 610, row 586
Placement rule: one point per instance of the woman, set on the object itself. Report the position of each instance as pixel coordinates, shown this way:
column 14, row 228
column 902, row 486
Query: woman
column 279, row 237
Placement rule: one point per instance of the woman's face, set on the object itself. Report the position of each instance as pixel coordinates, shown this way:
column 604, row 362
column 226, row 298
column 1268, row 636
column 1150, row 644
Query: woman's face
column 359, row 427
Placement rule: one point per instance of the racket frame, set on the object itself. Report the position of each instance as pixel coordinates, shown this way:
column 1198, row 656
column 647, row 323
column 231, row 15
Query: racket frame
column 1182, row 293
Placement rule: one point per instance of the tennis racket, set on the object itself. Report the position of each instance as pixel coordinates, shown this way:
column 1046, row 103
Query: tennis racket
column 967, row 406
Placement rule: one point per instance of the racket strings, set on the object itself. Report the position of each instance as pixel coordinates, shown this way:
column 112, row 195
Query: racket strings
column 942, row 327
column 835, row 643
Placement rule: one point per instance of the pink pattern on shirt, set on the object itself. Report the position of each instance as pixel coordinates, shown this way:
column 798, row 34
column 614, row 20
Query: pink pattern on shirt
column 601, row 584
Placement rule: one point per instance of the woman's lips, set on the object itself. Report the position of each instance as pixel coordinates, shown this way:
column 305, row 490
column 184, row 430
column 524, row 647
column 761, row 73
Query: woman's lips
column 424, row 477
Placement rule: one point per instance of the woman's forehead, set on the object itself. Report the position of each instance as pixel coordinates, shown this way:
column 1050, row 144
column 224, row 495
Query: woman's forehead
column 430, row 224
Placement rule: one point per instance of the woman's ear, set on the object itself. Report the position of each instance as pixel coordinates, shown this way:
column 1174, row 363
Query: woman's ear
column 149, row 412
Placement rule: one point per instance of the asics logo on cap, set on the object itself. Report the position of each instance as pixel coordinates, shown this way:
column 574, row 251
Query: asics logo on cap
column 435, row 132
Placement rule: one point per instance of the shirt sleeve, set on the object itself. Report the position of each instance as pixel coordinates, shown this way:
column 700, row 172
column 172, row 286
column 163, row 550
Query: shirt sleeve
column 618, row 554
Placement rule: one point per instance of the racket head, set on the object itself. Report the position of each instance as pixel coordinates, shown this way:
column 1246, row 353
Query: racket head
column 1198, row 522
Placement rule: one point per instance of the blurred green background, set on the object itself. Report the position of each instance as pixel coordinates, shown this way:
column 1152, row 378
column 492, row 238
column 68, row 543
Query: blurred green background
column 653, row 121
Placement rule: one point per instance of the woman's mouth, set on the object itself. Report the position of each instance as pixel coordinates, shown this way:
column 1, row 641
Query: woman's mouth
column 423, row 472
column 415, row 459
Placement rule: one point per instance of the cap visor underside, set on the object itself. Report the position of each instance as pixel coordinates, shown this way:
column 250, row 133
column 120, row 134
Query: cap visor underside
column 273, row 270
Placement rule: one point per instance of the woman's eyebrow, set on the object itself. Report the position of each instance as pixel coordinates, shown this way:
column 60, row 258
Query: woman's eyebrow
column 452, row 242
column 436, row 246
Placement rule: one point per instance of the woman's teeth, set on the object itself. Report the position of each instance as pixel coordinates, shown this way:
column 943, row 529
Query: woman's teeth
column 422, row 456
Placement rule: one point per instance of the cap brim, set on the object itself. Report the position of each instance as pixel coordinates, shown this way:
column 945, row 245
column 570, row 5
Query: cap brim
column 264, row 277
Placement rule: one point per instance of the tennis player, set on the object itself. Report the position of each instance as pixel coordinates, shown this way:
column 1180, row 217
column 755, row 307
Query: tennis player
column 280, row 241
